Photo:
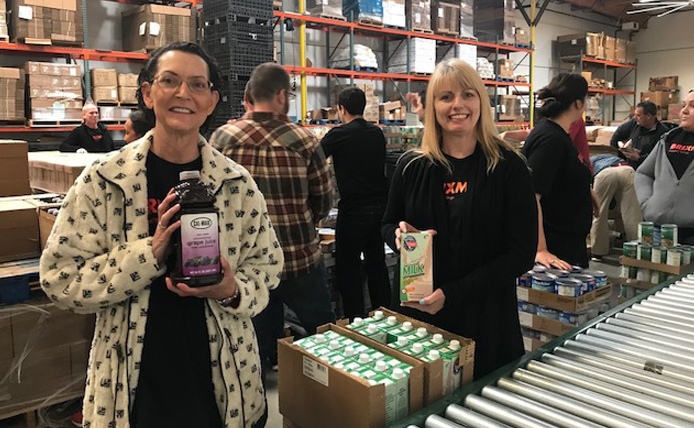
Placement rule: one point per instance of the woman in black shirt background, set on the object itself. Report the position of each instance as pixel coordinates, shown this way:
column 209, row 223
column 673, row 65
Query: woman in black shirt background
column 474, row 191
column 561, row 180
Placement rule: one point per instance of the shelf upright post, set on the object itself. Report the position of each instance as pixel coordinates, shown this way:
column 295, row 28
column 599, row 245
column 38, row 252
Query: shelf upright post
column 281, row 40
column 409, row 79
column 87, row 74
column 302, row 60
column 495, row 102
column 384, row 65
column 327, row 60
column 351, row 49
column 531, row 96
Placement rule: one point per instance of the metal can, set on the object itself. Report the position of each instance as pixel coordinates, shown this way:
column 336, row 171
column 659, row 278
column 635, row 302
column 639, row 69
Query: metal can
column 626, row 291
column 628, row 272
column 645, row 252
column 524, row 280
column 656, row 254
column 674, row 257
column 576, row 269
column 538, row 268
column 646, row 232
column 643, row 275
column 686, row 254
column 569, row 287
column 630, row 249
column 558, row 273
column 544, row 282
column 600, row 277
column 668, row 235
column 587, row 280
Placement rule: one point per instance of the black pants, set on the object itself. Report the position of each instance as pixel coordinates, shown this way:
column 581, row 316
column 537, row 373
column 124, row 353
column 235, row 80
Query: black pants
column 358, row 232
column 569, row 247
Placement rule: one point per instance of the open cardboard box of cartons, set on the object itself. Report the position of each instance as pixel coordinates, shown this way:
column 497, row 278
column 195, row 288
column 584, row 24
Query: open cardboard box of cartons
column 433, row 372
column 571, row 305
column 313, row 394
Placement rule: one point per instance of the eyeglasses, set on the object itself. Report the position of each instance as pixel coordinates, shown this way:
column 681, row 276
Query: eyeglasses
column 170, row 82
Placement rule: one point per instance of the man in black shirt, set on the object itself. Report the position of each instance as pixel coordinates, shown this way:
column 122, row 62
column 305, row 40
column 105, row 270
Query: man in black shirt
column 637, row 137
column 358, row 149
column 90, row 136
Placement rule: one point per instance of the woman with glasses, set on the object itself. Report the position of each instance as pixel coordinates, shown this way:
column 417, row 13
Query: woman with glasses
column 164, row 353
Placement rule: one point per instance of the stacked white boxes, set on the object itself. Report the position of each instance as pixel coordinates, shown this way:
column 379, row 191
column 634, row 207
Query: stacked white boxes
column 422, row 56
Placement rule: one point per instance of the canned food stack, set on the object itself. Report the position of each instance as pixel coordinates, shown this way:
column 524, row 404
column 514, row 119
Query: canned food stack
column 552, row 302
column 657, row 246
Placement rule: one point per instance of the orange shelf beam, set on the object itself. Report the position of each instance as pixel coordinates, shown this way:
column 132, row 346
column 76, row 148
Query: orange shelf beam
column 318, row 21
column 76, row 53
column 609, row 63
column 52, row 129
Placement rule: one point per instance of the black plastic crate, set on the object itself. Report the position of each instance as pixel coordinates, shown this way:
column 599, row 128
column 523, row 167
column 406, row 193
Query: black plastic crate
column 260, row 9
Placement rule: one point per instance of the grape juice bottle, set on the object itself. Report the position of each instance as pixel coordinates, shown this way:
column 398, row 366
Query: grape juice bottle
column 196, row 243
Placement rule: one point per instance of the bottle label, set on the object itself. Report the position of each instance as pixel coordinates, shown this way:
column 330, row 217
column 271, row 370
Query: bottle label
column 200, row 244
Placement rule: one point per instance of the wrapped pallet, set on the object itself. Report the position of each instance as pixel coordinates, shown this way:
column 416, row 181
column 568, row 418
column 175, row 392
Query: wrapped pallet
column 55, row 91
column 445, row 18
column 467, row 19
column 495, row 21
column 325, row 8
column 418, row 14
column 394, row 13
column 588, row 44
column 365, row 11
column 422, row 56
column 467, row 53
column 46, row 22
column 151, row 26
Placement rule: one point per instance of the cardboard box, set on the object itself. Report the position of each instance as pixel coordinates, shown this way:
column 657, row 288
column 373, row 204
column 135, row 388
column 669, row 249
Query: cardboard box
column 371, row 113
column 418, row 14
column 445, row 17
column 509, row 107
column 14, row 168
column 631, row 52
column 667, row 83
column 54, row 114
column 588, row 44
column 546, row 325
column 610, row 46
column 522, row 37
column 531, row 344
column 107, row 94
column 46, row 222
column 104, row 77
column 19, row 230
column 312, row 392
column 151, row 26
column 621, row 51
column 40, row 80
column 127, row 95
column 660, row 267
column 506, row 68
column 588, row 76
column 571, row 305
column 127, row 79
column 660, row 98
column 55, row 172
column 433, row 376
column 673, row 111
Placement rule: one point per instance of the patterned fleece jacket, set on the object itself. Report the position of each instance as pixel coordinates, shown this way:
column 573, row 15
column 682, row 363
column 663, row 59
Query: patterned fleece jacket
column 99, row 259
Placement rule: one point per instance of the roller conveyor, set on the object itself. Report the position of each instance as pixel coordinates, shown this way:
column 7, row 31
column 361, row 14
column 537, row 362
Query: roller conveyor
column 631, row 368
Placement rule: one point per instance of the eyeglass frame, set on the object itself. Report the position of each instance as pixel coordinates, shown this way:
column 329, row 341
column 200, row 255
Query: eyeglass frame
column 155, row 79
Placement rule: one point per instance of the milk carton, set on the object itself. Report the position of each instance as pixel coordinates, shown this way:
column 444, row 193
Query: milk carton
column 397, row 389
column 416, row 273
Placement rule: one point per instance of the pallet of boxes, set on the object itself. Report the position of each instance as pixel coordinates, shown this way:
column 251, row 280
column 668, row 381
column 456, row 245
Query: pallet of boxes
column 654, row 258
column 418, row 16
column 126, row 99
column 12, row 84
column 553, row 302
column 371, row 372
column 598, row 46
column 371, row 111
column 43, row 350
column 151, row 26
column 495, row 21
column 54, row 93
column 46, row 22
column 664, row 93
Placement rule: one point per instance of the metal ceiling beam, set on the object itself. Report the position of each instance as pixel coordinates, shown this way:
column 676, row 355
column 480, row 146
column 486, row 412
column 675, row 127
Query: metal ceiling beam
column 541, row 12
column 521, row 8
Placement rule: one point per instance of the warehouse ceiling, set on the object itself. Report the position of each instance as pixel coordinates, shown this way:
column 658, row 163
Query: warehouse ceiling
column 611, row 8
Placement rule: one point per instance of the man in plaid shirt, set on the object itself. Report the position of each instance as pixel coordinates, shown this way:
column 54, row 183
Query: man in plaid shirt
column 289, row 166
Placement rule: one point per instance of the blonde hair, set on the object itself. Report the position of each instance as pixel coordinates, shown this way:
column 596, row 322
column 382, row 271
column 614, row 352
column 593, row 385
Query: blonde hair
column 463, row 74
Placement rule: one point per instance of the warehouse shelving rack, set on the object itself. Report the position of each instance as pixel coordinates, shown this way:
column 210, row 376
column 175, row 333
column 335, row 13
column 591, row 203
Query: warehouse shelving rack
column 349, row 30
column 85, row 54
column 583, row 63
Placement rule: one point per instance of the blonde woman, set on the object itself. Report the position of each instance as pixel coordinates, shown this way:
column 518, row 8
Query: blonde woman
column 474, row 191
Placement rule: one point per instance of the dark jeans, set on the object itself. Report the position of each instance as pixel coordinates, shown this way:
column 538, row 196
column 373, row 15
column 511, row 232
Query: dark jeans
column 358, row 231
column 308, row 296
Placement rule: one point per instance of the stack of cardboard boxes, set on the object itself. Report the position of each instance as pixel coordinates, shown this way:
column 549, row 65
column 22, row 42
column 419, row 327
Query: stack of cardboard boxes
column 495, row 21
column 55, row 91
column 46, row 22
column 418, row 15
column 14, row 168
column 394, row 13
column 151, row 26
column 664, row 93
column 467, row 53
column 422, row 56
column 12, row 83
column 371, row 111
column 4, row 33
column 505, row 68
column 445, row 18
column 599, row 46
column 127, row 88
column 392, row 110
column 104, row 85
column 367, row 11
column 325, row 8
column 510, row 108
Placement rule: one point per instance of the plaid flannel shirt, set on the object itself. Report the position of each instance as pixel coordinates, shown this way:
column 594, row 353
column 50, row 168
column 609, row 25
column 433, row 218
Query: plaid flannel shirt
column 289, row 166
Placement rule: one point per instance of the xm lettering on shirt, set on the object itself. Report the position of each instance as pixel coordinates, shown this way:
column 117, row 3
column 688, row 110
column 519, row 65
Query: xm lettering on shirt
column 455, row 188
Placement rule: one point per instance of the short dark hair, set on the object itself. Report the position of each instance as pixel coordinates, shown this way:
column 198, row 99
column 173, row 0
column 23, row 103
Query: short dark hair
column 247, row 93
column 267, row 80
column 423, row 97
column 140, row 123
column 353, row 100
column 561, row 93
column 648, row 107
column 150, row 70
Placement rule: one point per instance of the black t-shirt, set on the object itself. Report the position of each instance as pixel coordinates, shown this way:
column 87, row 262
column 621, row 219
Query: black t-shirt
column 175, row 386
column 359, row 155
column 92, row 140
column 642, row 139
column 562, row 180
column 458, row 187
column 680, row 150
